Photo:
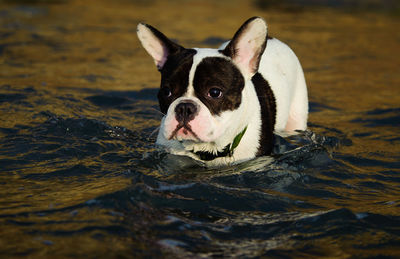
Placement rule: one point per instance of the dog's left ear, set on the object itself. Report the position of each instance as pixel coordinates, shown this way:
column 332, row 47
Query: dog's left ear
column 247, row 46
column 156, row 44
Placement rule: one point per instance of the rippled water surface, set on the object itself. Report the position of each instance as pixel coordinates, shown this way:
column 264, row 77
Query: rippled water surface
column 79, row 173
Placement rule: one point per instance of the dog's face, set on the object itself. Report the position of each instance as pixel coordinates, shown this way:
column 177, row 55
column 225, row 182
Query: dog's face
column 199, row 96
column 201, row 91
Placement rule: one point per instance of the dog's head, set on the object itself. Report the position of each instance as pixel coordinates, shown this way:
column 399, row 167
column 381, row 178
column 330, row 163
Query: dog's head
column 202, row 90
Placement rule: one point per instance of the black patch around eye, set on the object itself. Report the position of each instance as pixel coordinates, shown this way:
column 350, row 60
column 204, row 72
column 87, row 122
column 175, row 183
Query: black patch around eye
column 218, row 73
column 175, row 77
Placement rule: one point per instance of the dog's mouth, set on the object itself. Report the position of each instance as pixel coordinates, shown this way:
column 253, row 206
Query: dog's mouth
column 186, row 130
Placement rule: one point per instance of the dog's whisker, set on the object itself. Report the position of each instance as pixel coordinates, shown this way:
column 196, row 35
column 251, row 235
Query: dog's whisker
column 154, row 132
column 158, row 111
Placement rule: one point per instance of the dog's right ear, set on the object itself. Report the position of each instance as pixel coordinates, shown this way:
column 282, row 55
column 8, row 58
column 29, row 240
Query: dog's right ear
column 156, row 44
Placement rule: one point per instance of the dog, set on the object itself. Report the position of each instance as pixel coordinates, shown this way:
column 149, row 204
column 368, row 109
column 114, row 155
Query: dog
column 222, row 106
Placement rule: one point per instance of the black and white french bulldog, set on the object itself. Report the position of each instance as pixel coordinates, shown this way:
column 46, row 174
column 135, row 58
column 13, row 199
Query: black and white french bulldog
column 223, row 105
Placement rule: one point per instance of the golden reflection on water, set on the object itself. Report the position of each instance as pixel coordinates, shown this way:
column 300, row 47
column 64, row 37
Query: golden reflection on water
column 350, row 60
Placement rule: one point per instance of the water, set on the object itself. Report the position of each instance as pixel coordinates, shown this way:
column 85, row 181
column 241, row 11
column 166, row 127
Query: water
column 80, row 176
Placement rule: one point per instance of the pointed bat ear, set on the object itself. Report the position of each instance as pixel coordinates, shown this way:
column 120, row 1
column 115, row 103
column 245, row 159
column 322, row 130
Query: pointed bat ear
column 247, row 46
column 156, row 44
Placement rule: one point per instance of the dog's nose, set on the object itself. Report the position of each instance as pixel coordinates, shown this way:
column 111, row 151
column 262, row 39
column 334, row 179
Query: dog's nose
column 185, row 111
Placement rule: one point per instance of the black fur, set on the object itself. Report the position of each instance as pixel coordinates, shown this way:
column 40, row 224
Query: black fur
column 217, row 72
column 175, row 77
column 268, row 114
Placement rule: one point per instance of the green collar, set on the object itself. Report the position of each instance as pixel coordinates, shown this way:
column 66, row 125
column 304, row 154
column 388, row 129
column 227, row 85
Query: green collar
column 227, row 151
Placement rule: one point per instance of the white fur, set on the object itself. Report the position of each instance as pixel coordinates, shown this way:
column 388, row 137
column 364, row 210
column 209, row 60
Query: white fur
column 279, row 66
column 222, row 126
column 249, row 46
column 153, row 45
column 200, row 55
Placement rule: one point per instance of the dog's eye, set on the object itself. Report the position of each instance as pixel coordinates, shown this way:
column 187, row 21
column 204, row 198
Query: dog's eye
column 215, row 93
column 165, row 91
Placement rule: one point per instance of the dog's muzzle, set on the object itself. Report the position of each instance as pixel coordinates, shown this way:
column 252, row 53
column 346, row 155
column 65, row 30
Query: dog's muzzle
column 186, row 111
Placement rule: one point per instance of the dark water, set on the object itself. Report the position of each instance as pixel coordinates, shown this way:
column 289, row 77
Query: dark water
column 80, row 176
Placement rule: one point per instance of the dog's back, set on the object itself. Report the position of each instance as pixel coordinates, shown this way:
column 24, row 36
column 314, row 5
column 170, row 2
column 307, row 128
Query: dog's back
column 281, row 68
